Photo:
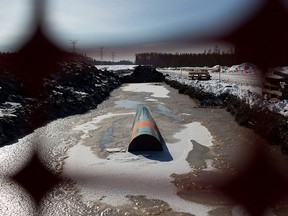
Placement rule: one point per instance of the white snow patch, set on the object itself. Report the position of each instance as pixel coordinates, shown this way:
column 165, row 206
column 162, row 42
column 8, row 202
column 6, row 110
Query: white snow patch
column 151, row 100
column 201, row 134
column 113, row 150
column 13, row 104
column 81, row 93
column 245, row 88
column 185, row 114
column 116, row 67
column 92, row 125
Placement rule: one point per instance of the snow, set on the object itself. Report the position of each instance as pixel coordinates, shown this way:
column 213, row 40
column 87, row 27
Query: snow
column 113, row 150
column 13, row 105
column 9, row 108
column 92, row 125
column 115, row 67
column 247, row 87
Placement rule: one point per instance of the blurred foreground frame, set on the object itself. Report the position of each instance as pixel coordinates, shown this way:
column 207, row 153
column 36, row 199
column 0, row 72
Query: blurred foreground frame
column 262, row 40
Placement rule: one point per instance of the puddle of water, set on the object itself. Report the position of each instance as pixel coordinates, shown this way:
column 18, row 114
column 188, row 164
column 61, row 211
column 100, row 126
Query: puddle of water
column 106, row 137
column 167, row 112
column 128, row 104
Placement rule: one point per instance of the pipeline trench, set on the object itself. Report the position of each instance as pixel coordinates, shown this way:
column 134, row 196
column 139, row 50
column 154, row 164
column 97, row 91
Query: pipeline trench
column 201, row 147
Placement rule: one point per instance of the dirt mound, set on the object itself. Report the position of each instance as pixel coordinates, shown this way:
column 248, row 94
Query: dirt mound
column 73, row 88
column 143, row 74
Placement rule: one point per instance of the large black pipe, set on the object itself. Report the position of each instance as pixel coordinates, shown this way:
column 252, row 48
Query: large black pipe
column 145, row 135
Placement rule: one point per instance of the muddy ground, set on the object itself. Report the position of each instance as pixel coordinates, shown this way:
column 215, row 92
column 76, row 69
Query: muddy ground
column 233, row 145
column 233, row 148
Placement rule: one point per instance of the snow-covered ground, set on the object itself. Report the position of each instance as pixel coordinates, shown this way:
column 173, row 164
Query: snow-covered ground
column 116, row 67
column 247, row 85
column 9, row 109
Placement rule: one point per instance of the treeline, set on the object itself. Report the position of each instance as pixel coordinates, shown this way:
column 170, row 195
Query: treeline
column 89, row 60
column 121, row 62
column 209, row 59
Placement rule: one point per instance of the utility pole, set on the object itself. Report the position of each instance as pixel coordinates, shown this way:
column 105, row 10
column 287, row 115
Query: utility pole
column 74, row 42
column 101, row 53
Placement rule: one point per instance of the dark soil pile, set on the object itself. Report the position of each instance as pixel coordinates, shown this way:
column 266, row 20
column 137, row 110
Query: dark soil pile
column 143, row 74
column 73, row 88
column 271, row 126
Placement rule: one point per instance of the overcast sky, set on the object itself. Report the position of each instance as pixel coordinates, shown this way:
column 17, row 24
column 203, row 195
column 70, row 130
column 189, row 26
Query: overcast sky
column 125, row 25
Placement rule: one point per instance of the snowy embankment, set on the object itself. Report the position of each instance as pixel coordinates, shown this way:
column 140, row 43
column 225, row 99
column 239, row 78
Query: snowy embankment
column 268, row 117
column 246, row 86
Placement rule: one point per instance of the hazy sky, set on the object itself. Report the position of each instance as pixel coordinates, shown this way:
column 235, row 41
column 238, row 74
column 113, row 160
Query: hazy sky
column 125, row 23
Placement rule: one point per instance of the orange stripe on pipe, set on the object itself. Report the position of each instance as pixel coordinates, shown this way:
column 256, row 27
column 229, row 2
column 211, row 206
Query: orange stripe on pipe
column 145, row 135
column 144, row 124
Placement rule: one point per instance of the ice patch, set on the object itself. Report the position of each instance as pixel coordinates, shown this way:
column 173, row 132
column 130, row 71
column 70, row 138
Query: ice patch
column 201, row 134
column 151, row 100
column 157, row 91
column 93, row 124
column 113, row 150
